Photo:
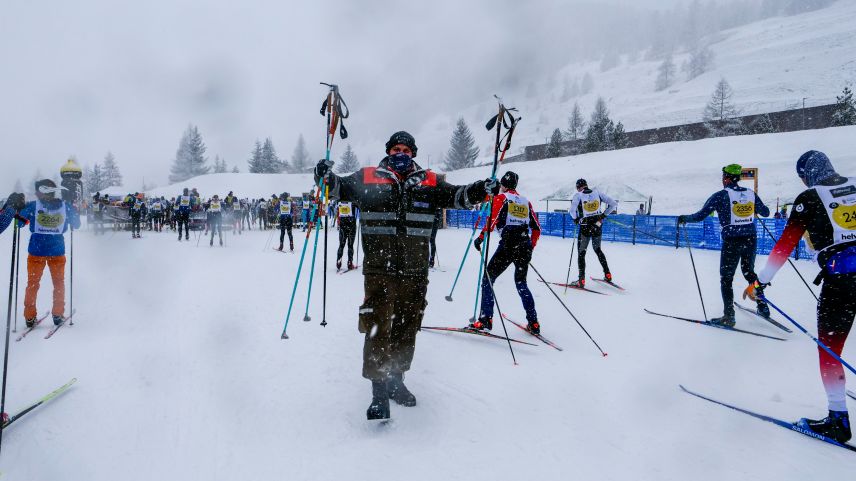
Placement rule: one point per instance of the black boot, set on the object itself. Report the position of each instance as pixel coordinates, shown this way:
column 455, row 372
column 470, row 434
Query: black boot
column 835, row 426
column 398, row 392
column 379, row 408
column 763, row 309
column 727, row 320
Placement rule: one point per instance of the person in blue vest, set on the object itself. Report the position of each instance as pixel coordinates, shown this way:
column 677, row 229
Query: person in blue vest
column 14, row 203
column 49, row 217
column 185, row 203
column 285, row 209
column 736, row 207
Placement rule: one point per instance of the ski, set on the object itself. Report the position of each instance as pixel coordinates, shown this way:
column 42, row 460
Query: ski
column 851, row 394
column 41, row 401
column 345, row 271
column 570, row 286
column 609, row 283
column 768, row 319
column 538, row 336
column 29, row 329
column 56, row 328
column 478, row 333
column 708, row 323
column 778, row 422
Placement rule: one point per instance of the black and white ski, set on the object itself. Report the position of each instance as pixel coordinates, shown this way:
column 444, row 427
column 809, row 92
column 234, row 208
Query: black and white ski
column 851, row 394
column 538, row 336
column 30, row 329
column 571, row 286
column 56, row 327
column 777, row 422
column 476, row 332
column 768, row 319
column 346, row 270
column 609, row 283
column 710, row 324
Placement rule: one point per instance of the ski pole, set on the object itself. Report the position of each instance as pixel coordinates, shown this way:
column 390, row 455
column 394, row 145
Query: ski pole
column 571, row 260
column 71, row 277
column 466, row 251
column 296, row 280
column 566, row 308
column 17, row 277
column 16, row 228
column 791, row 263
column 695, row 273
column 816, row 340
column 326, row 231
column 314, row 212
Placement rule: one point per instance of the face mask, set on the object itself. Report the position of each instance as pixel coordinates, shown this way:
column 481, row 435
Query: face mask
column 400, row 163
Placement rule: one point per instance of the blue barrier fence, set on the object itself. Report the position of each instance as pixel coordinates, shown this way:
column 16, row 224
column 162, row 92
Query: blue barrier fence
column 632, row 229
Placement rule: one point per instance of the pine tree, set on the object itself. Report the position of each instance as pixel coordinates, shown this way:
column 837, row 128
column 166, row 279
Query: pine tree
column 190, row 157
column 255, row 163
column 721, row 117
column 600, row 127
column 682, row 135
column 348, row 162
column 701, row 60
column 236, row 170
column 764, row 125
column 554, row 148
column 845, row 109
column 110, row 172
column 462, row 151
column 300, row 157
column 271, row 161
column 666, row 74
column 654, row 139
column 618, row 137
column 576, row 124
column 219, row 165
column 95, row 179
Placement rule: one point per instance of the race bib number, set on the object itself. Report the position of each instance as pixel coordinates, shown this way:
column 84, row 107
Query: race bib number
column 185, row 202
column 518, row 211
column 49, row 220
column 215, row 207
column 844, row 215
column 743, row 210
column 345, row 210
column 285, row 208
column 591, row 207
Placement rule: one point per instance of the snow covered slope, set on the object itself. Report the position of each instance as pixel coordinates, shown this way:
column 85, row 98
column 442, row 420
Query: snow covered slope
column 182, row 375
column 679, row 175
column 771, row 65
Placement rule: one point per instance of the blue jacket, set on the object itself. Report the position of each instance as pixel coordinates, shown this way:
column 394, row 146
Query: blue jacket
column 6, row 216
column 46, row 244
column 721, row 203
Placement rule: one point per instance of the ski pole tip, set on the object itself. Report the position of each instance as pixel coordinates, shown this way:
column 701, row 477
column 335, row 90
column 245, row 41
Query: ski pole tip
column 605, row 354
column 323, row 323
column 306, row 318
column 284, row 336
column 449, row 298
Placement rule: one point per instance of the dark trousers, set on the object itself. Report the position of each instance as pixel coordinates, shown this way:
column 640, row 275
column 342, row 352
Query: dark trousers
column 390, row 317
column 157, row 219
column 835, row 312
column 135, row 225
column 582, row 246
column 736, row 250
column 285, row 226
column 183, row 218
column 432, row 244
column 347, row 233
column 215, row 222
column 519, row 253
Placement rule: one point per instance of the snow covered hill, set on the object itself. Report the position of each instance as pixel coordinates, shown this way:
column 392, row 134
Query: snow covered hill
column 679, row 175
column 771, row 65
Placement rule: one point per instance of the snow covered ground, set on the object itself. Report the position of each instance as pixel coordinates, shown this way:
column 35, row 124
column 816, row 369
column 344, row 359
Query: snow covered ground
column 182, row 375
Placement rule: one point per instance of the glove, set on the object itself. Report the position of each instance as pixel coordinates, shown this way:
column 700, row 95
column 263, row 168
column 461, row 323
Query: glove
column 71, row 189
column 682, row 219
column 15, row 201
column 754, row 291
column 478, row 242
column 322, row 168
column 491, row 186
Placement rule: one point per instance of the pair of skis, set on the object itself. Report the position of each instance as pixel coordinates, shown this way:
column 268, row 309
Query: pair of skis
column 477, row 332
column 718, row 326
column 39, row 402
column 586, row 289
column 346, row 270
column 50, row 333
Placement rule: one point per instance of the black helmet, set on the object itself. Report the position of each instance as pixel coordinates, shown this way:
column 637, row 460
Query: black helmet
column 581, row 183
column 404, row 138
column 509, row 180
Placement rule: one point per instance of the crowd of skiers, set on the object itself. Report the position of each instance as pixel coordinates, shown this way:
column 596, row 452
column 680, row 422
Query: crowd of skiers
column 396, row 205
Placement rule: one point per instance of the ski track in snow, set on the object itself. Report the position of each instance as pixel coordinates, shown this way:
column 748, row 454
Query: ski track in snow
column 182, row 375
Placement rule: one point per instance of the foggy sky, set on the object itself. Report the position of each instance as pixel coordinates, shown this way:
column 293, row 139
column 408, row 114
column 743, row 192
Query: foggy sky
column 82, row 78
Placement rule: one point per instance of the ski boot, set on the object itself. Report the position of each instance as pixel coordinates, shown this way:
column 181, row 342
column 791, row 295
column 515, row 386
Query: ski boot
column 58, row 320
column 30, row 322
column 291, row 245
column 379, row 408
column 211, row 243
column 607, row 276
column 186, row 237
column 580, row 283
column 221, row 242
column 763, row 310
column 727, row 320
column 351, row 265
column 398, row 392
column 534, row 327
column 835, row 426
column 338, row 265
column 482, row 323
column 280, row 248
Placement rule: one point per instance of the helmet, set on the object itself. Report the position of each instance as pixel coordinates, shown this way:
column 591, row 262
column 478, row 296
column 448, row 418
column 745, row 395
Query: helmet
column 509, row 180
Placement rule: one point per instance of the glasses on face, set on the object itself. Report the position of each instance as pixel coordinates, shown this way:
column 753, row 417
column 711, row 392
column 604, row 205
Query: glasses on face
column 400, row 149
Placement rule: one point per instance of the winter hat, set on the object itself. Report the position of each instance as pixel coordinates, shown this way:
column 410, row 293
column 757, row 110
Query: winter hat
column 509, row 180
column 814, row 166
column 581, row 183
column 402, row 137
column 46, row 187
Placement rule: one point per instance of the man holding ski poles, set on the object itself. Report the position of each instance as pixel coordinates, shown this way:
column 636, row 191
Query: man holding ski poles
column 514, row 216
column 589, row 208
column 827, row 212
column 397, row 202
column 736, row 207
column 49, row 217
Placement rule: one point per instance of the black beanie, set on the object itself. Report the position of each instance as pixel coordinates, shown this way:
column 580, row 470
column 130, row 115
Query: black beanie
column 403, row 138
column 509, row 180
